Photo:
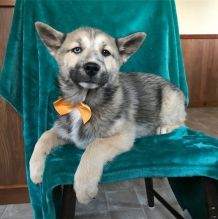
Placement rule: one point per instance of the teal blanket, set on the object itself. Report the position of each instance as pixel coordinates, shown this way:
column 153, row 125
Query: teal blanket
column 28, row 82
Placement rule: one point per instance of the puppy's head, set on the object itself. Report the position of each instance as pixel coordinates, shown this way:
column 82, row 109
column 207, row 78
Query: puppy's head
column 88, row 56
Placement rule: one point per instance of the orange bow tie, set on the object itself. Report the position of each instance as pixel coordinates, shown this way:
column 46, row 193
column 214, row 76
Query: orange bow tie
column 64, row 107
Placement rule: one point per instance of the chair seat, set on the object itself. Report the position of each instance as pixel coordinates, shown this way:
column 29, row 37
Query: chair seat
column 184, row 152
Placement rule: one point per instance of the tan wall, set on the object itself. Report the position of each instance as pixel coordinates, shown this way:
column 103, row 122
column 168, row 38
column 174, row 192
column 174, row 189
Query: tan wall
column 197, row 16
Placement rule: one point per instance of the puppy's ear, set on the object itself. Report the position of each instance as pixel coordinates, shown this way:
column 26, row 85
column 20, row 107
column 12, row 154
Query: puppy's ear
column 52, row 38
column 129, row 45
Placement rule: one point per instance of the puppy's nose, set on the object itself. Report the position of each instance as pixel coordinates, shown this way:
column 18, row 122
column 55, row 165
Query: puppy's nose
column 91, row 68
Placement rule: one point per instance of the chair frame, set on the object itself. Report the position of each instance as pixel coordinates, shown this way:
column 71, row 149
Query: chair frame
column 210, row 189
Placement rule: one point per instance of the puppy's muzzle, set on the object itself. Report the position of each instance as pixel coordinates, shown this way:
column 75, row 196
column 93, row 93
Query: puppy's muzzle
column 91, row 68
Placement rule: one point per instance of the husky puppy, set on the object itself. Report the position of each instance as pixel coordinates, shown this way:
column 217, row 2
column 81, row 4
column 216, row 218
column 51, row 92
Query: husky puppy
column 124, row 106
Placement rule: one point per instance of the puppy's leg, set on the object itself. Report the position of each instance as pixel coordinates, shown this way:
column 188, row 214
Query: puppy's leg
column 173, row 111
column 44, row 145
column 92, row 162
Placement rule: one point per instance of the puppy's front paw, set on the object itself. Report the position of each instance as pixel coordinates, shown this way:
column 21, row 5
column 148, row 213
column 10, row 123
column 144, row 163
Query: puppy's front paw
column 36, row 169
column 166, row 129
column 86, row 189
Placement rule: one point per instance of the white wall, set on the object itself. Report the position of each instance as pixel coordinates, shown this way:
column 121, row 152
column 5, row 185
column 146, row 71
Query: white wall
column 197, row 16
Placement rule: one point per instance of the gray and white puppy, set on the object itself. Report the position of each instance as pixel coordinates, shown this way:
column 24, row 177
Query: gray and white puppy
column 124, row 106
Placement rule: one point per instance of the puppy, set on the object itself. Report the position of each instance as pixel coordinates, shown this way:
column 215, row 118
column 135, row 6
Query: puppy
column 124, row 106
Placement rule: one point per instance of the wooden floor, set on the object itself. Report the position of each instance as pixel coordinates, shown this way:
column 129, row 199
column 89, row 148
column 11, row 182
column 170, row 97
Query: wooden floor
column 127, row 200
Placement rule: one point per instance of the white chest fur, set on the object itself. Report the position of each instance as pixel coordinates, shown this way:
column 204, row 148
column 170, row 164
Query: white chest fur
column 76, row 119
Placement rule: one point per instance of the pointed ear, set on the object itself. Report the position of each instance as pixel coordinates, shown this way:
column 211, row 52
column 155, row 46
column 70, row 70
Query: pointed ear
column 129, row 45
column 52, row 38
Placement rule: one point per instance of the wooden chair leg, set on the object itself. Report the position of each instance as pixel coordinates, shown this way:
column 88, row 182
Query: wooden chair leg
column 68, row 202
column 211, row 195
column 151, row 194
column 149, row 191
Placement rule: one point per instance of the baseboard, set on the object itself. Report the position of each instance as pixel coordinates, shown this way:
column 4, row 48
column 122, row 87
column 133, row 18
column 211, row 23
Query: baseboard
column 203, row 104
column 14, row 194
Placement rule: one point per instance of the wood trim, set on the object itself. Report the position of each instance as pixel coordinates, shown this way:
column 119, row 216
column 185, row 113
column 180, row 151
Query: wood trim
column 7, row 3
column 14, row 195
column 196, row 104
column 199, row 36
column 13, row 187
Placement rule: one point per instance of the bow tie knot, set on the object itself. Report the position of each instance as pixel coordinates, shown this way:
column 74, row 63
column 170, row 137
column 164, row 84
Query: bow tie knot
column 64, row 107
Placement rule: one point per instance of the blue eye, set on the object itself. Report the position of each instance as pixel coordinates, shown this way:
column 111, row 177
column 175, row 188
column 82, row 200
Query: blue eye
column 77, row 50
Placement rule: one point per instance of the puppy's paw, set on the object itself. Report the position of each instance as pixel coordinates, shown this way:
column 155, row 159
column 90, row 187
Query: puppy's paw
column 36, row 169
column 166, row 129
column 86, row 189
column 85, row 194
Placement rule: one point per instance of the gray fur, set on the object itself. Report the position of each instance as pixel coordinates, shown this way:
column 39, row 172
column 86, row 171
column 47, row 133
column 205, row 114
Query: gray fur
column 131, row 98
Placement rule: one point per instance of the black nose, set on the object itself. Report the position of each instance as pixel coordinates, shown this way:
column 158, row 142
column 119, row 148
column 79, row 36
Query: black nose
column 91, row 68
